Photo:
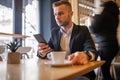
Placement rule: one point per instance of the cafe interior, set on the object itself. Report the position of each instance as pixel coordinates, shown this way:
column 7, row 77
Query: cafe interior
column 21, row 19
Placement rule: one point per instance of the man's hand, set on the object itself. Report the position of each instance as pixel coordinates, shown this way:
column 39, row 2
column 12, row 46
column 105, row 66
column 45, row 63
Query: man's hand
column 43, row 49
column 79, row 58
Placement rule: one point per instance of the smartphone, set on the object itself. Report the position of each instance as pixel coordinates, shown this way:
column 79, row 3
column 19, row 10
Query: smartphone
column 40, row 38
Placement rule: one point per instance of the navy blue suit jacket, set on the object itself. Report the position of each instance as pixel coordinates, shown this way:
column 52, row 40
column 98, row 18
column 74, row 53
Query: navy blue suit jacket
column 80, row 39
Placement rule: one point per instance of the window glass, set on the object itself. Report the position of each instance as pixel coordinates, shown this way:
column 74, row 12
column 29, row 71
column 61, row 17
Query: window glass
column 30, row 22
column 6, row 19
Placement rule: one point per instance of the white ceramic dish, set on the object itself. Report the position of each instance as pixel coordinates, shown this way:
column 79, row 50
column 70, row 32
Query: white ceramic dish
column 66, row 63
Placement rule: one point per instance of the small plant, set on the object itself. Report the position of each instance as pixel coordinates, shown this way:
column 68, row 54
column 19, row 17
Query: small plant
column 13, row 46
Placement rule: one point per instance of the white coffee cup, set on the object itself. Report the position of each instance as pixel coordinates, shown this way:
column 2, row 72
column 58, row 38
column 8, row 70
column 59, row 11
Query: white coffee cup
column 58, row 57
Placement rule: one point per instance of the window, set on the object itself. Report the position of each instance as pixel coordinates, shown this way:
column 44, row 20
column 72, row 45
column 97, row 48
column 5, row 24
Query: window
column 6, row 19
column 30, row 22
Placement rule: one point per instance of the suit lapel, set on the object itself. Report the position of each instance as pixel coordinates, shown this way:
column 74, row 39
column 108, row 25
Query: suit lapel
column 73, row 35
column 58, row 40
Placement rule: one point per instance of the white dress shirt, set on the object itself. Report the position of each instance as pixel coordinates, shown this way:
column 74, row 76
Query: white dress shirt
column 65, row 39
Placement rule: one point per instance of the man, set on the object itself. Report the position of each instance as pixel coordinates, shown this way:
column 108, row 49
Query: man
column 72, row 38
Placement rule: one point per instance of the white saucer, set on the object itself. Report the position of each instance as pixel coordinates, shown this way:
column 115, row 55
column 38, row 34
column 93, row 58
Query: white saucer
column 66, row 63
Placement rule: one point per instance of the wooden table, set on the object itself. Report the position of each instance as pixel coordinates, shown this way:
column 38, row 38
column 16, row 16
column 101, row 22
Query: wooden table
column 35, row 69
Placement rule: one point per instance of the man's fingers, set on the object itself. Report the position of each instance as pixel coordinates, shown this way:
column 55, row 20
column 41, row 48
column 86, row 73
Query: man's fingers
column 79, row 58
column 43, row 46
column 74, row 60
column 70, row 57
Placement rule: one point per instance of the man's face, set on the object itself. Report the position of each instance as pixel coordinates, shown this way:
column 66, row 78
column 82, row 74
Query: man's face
column 62, row 15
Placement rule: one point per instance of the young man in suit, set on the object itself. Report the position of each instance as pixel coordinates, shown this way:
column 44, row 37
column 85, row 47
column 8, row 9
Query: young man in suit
column 72, row 38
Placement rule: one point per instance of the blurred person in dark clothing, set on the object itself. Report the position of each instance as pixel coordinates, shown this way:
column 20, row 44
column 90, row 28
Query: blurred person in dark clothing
column 104, row 28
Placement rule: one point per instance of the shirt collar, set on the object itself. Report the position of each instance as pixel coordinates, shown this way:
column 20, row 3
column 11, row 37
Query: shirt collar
column 68, row 32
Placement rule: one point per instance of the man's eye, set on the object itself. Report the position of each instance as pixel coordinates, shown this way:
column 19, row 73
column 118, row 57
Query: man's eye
column 60, row 14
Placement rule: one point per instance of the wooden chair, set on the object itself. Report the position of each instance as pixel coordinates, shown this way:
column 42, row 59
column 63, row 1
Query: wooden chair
column 24, row 51
column 115, row 67
column 2, row 49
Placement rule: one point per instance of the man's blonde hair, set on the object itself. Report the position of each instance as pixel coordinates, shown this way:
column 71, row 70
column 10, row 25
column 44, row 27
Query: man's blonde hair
column 62, row 2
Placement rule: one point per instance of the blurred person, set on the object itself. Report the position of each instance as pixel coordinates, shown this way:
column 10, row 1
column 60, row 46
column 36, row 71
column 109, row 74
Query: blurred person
column 104, row 28
column 69, row 37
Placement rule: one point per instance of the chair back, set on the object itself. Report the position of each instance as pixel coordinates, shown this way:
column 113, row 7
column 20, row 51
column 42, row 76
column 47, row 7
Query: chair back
column 2, row 49
column 117, row 58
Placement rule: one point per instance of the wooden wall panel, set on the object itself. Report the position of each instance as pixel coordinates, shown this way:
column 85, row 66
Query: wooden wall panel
column 118, row 2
